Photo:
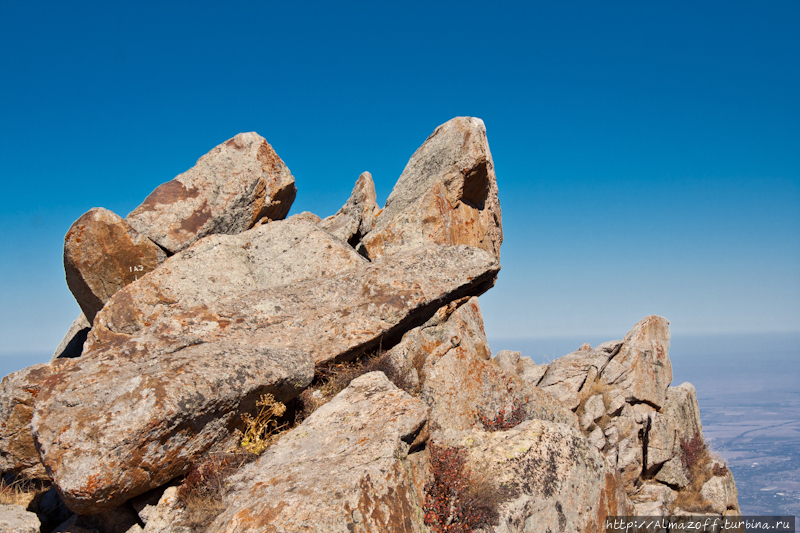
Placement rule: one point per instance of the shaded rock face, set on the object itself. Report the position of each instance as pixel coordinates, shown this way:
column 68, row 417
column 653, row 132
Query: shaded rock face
column 448, row 358
column 102, row 254
column 357, row 216
column 333, row 317
column 109, row 427
column 18, row 392
column 556, row 479
column 447, row 194
column 229, row 189
column 71, row 345
column 344, row 469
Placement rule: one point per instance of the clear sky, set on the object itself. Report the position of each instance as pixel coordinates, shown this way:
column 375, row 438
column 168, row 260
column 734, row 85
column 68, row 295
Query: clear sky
column 647, row 154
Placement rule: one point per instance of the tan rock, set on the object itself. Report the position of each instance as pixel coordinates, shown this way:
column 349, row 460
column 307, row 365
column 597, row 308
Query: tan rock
column 593, row 409
column 102, row 254
column 673, row 473
column 230, row 188
column 357, row 216
column 335, row 316
column 682, row 409
column 567, row 376
column 111, row 426
column 653, row 499
column 71, row 345
column 720, row 492
column 447, row 194
column 560, row 480
column 18, row 392
column 344, row 469
column 642, row 368
column 15, row 519
column 662, row 440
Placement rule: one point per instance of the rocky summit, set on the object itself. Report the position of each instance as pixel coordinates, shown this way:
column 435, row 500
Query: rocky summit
column 234, row 370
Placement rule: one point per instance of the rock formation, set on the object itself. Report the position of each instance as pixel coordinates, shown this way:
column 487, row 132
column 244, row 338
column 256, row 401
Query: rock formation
column 364, row 332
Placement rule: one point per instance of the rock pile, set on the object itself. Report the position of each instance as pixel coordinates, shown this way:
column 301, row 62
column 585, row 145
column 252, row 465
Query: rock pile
column 206, row 304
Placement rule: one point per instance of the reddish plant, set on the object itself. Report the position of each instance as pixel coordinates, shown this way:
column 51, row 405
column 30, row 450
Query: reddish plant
column 694, row 452
column 502, row 420
column 454, row 502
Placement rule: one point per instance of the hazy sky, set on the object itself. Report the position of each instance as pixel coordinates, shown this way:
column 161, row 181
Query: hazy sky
column 647, row 154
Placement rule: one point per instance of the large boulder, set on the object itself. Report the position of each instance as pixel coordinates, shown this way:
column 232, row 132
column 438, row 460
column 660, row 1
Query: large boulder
column 18, row 392
column 447, row 194
column 344, row 469
column 230, row 188
column 357, row 216
column 102, row 254
column 111, row 426
column 448, row 361
column 335, row 316
column 555, row 480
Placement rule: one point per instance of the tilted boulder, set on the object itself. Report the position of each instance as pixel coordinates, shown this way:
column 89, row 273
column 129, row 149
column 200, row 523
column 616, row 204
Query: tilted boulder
column 111, row 426
column 448, row 360
column 555, row 479
column 18, row 392
column 230, row 188
column 333, row 317
column 357, row 216
column 71, row 345
column 447, row 194
column 344, row 469
column 102, row 254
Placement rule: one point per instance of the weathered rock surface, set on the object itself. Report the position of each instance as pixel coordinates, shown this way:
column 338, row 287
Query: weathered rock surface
column 331, row 317
column 448, row 359
column 357, row 216
column 102, row 254
column 342, row 470
column 673, row 473
column 721, row 493
column 567, row 376
column 15, row 519
column 230, row 188
column 682, row 409
column 111, row 426
column 447, row 194
column 642, row 367
column 653, row 499
column 71, row 345
column 557, row 479
column 18, row 392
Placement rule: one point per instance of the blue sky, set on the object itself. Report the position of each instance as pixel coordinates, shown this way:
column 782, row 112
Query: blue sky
column 648, row 155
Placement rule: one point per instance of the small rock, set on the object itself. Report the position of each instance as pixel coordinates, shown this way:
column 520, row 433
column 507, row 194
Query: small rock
column 15, row 519
column 721, row 493
column 357, row 216
column 508, row 362
column 593, row 409
column 673, row 473
column 71, row 345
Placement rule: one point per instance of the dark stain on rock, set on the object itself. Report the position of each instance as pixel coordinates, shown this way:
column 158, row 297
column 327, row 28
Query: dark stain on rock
column 168, row 193
column 197, row 219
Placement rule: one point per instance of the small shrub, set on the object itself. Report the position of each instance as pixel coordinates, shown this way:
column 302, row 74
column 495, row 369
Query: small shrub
column 260, row 431
column 694, row 455
column 455, row 501
column 720, row 470
column 696, row 459
column 502, row 420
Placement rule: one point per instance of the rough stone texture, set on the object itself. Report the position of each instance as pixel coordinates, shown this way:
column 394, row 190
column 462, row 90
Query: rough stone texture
column 662, row 440
column 18, row 392
column 166, row 515
column 71, row 345
column 333, row 317
column 15, row 519
column 565, row 377
column 230, row 188
column 111, row 426
column 682, row 409
column 561, row 481
column 653, row 499
column 449, row 357
column 592, row 410
column 642, row 368
column 673, row 473
column 102, row 254
column 721, row 493
column 344, row 469
column 357, row 216
column 508, row 362
column 447, row 194
column 531, row 372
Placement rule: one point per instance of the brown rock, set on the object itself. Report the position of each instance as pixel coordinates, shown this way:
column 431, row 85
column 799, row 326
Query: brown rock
column 333, row 317
column 344, row 469
column 229, row 189
column 111, row 426
column 449, row 358
column 357, row 216
column 447, row 194
column 557, row 479
column 102, row 254
column 18, row 392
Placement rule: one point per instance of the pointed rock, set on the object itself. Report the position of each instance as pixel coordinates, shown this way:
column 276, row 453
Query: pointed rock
column 71, row 345
column 102, row 254
column 357, row 216
column 111, row 427
column 343, row 469
column 230, row 188
column 447, row 194
column 335, row 316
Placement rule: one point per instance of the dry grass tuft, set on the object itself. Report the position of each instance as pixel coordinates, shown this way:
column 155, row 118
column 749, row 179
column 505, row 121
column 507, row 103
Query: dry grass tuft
column 20, row 492
column 697, row 459
column 262, row 430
